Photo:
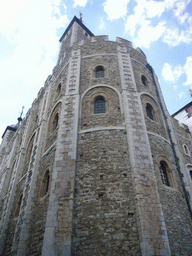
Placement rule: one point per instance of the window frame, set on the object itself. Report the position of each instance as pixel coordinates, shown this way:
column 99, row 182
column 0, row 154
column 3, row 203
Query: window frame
column 186, row 150
column 144, row 80
column 150, row 108
column 163, row 169
column 169, row 171
column 98, row 109
column 45, row 184
column 99, row 72
column 18, row 206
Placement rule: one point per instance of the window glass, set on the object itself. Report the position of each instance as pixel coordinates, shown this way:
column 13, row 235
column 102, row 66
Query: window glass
column 99, row 72
column 144, row 80
column 45, row 184
column 163, row 172
column 149, row 111
column 99, row 105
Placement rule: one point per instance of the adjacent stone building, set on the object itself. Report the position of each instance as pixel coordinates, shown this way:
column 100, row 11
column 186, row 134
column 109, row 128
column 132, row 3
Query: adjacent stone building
column 97, row 166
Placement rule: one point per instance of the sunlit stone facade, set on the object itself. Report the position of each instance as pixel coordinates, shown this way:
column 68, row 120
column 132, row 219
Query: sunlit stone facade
column 97, row 166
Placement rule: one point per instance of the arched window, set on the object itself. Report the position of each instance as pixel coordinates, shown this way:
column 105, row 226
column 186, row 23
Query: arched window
column 186, row 150
column 149, row 111
column 144, row 80
column 36, row 119
column 55, row 121
column 164, row 173
column 100, row 72
column 18, row 206
column 59, row 89
column 45, row 184
column 190, row 172
column 99, row 106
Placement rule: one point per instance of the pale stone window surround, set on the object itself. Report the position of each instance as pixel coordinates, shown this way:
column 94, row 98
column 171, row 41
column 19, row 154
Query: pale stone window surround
column 18, row 206
column 186, row 150
column 99, row 72
column 144, row 80
column 189, row 169
column 51, row 132
column 28, row 153
column 94, row 97
column 169, row 171
column 106, row 105
column 99, row 105
column 45, row 184
column 150, row 112
column 59, row 89
column 154, row 105
column 52, row 118
column 164, row 173
column 94, row 70
column 147, row 75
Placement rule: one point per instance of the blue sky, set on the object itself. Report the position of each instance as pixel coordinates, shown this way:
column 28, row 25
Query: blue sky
column 30, row 33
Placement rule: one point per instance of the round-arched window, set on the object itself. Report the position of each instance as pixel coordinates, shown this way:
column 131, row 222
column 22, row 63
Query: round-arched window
column 99, row 105
column 100, row 72
column 45, row 184
column 150, row 111
column 144, row 80
column 164, row 173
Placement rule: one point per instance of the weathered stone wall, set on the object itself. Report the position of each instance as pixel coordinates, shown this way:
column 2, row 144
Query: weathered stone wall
column 184, row 138
column 10, row 231
column 104, row 212
column 39, row 211
column 105, row 194
column 140, row 69
column 113, row 113
column 177, row 216
column 158, row 124
column 52, row 128
column 110, row 64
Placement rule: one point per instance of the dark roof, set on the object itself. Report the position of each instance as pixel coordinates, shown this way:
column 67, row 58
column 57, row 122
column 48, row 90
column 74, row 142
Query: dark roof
column 80, row 23
column 183, row 108
column 11, row 128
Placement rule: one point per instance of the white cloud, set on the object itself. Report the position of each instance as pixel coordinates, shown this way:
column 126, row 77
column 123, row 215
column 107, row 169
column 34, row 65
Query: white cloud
column 188, row 70
column 171, row 74
column 102, row 24
column 173, row 37
column 30, row 29
column 115, row 9
column 179, row 8
column 148, row 34
column 81, row 3
column 140, row 23
column 175, row 87
column 182, row 95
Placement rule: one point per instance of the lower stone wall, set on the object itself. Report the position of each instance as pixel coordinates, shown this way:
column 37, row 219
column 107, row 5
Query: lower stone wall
column 176, row 214
column 104, row 221
column 39, row 212
column 10, row 231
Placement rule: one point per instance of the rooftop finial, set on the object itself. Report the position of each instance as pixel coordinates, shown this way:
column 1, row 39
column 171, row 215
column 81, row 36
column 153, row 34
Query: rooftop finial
column 81, row 16
column 20, row 118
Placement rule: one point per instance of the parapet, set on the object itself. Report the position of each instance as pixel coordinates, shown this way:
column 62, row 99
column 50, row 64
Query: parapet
column 124, row 41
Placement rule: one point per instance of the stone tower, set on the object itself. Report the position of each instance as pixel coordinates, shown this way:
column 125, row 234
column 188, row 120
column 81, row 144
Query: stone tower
column 98, row 166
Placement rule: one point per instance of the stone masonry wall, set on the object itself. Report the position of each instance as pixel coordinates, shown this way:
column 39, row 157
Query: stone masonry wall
column 39, row 211
column 157, row 125
column 177, row 217
column 112, row 105
column 89, row 63
column 104, row 212
column 12, row 220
